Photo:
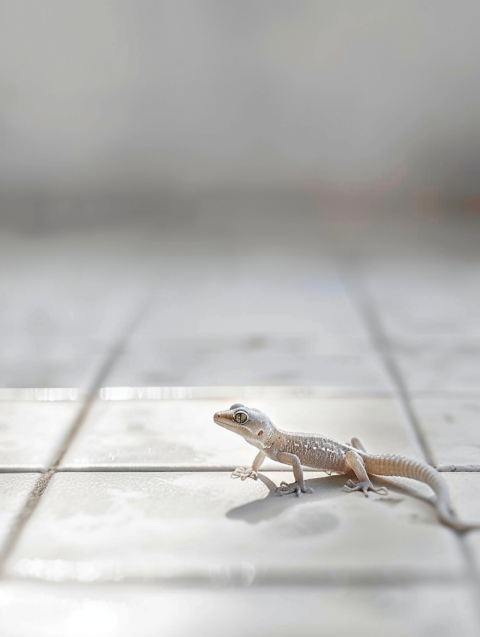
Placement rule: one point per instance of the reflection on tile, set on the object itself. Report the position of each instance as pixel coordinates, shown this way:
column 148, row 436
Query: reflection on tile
column 436, row 365
column 14, row 489
column 73, row 611
column 451, row 428
column 181, row 433
column 201, row 525
column 260, row 360
column 41, row 394
column 32, row 431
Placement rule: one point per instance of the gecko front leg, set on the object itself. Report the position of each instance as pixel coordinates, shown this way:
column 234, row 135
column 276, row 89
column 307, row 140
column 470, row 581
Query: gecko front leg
column 252, row 472
column 298, row 486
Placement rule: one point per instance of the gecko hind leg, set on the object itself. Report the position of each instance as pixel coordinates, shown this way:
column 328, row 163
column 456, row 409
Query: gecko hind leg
column 355, row 462
column 294, row 487
column 365, row 486
column 356, row 443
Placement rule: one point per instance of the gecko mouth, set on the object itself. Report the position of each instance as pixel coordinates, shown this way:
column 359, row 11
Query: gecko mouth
column 229, row 424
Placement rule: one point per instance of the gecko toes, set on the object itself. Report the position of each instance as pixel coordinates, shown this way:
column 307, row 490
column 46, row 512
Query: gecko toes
column 365, row 486
column 285, row 489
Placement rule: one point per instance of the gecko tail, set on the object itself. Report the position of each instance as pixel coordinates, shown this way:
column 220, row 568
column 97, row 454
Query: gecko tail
column 408, row 468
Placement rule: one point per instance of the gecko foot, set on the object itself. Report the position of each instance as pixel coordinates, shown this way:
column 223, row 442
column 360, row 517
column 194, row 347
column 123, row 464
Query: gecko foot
column 243, row 474
column 296, row 488
column 365, row 486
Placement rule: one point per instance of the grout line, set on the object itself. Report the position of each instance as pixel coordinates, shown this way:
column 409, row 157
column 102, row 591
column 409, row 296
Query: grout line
column 166, row 469
column 349, row 262
column 43, row 482
column 25, row 514
column 190, row 469
column 238, row 578
column 459, row 468
column 8, row 469
column 103, row 372
column 366, row 310
column 193, row 469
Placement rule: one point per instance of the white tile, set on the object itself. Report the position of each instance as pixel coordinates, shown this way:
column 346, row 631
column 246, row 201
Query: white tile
column 181, row 433
column 438, row 364
column 451, row 428
column 116, row 526
column 74, row 611
column 31, row 432
column 14, row 489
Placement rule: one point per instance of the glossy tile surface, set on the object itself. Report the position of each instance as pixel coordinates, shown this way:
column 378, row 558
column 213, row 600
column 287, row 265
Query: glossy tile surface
column 451, row 429
column 195, row 525
column 14, row 490
column 181, row 433
column 31, row 432
column 69, row 611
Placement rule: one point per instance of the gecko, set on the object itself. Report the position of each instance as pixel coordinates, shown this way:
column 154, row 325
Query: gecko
column 326, row 454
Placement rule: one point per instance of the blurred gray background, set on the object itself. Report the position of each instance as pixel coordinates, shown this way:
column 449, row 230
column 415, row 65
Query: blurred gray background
column 180, row 95
column 196, row 176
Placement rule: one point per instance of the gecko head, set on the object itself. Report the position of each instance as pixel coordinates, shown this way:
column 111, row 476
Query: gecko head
column 252, row 424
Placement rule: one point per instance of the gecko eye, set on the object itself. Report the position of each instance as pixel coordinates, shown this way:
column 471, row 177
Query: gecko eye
column 240, row 417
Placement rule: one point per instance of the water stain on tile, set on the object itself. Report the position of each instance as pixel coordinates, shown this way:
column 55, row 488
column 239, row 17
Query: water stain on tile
column 311, row 523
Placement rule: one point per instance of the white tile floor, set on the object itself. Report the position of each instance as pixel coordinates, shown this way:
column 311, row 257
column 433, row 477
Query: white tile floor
column 118, row 514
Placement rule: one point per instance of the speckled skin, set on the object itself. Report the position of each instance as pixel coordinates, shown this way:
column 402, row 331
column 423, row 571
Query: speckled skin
column 314, row 452
column 325, row 454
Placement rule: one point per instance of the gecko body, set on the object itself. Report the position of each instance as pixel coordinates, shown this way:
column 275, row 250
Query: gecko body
column 326, row 454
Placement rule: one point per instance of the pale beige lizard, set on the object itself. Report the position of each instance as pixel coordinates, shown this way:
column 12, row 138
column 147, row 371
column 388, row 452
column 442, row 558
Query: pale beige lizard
column 325, row 454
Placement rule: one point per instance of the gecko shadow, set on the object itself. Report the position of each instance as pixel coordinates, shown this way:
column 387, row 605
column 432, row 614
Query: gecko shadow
column 274, row 504
column 324, row 488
